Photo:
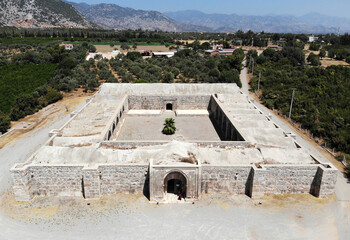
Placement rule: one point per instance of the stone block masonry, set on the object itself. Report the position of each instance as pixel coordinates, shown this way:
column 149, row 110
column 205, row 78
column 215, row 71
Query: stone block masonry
column 159, row 102
column 85, row 181
column 317, row 179
column 229, row 179
column 92, row 182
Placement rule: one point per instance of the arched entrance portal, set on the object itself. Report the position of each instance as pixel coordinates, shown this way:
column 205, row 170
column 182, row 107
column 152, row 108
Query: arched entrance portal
column 175, row 183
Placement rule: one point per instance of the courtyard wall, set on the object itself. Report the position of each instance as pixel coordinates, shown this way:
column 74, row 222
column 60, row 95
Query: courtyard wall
column 180, row 102
column 222, row 122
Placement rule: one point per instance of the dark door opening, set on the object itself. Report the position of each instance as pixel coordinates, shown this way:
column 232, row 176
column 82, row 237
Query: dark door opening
column 169, row 106
column 174, row 186
column 175, row 183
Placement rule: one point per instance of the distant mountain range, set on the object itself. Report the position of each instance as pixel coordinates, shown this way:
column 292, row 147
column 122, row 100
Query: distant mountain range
column 310, row 23
column 58, row 13
column 41, row 13
column 112, row 16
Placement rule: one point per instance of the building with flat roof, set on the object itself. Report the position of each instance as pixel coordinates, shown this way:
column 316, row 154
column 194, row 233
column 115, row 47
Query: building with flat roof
column 223, row 143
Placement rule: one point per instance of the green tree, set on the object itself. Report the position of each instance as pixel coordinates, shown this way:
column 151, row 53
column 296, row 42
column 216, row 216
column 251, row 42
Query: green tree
column 168, row 77
column 5, row 123
column 314, row 46
column 169, row 126
column 322, row 53
column 314, row 60
column 133, row 55
column 124, row 46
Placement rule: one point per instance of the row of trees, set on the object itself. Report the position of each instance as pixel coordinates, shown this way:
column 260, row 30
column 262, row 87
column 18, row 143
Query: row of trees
column 35, row 78
column 185, row 66
column 321, row 99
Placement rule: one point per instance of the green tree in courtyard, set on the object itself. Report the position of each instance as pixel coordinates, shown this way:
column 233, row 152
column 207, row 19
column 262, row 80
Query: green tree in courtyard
column 169, row 126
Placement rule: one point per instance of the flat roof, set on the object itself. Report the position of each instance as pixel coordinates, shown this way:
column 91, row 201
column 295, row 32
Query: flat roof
column 79, row 141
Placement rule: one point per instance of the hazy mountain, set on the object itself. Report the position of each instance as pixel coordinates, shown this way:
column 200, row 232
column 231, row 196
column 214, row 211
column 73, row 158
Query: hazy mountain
column 327, row 21
column 41, row 13
column 234, row 22
column 112, row 16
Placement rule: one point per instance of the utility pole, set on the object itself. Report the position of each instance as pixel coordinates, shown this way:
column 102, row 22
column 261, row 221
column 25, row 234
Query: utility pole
column 291, row 103
column 259, row 80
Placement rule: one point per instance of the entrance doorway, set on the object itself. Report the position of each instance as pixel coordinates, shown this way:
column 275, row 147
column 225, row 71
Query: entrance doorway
column 175, row 183
column 169, row 106
column 174, row 186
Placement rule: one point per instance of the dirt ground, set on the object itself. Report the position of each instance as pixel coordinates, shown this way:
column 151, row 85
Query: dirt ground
column 150, row 128
column 215, row 216
column 329, row 61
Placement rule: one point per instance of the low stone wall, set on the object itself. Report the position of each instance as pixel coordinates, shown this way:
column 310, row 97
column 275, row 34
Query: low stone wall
column 181, row 102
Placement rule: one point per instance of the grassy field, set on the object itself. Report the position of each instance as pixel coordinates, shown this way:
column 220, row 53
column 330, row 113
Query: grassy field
column 18, row 79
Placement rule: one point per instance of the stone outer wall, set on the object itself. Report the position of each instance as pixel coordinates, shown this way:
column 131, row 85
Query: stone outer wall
column 123, row 179
column 89, row 182
column 226, row 179
column 317, row 179
column 181, row 102
column 92, row 182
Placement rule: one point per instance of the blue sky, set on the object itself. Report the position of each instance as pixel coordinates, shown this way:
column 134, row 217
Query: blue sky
column 339, row 8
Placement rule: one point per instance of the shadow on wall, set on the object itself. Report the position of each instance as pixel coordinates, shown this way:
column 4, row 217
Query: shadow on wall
column 146, row 186
column 249, row 183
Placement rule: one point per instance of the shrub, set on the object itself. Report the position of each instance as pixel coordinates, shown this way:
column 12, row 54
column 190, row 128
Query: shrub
column 168, row 77
column 127, row 78
column 133, row 55
column 53, row 95
column 169, row 126
column 5, row 123
column 141, row 81
column 24, row 105
column 347, row 170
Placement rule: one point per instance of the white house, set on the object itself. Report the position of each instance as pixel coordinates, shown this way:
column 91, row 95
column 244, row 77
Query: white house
column 312, row 38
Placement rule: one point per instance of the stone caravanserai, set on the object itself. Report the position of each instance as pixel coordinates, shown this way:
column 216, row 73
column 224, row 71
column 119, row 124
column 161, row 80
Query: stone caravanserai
column 223, row 144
